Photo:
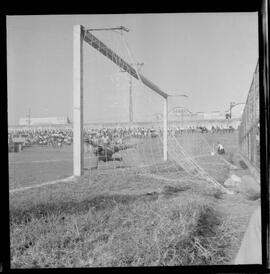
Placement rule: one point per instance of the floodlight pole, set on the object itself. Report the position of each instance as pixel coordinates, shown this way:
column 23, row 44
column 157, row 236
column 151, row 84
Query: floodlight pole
column 232, row 105
column 130, row 102
column 78, row 148
column 139, row 65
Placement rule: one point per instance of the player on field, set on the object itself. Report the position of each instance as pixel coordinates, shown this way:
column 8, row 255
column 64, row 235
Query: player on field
column 106, row 150
column 220, row 148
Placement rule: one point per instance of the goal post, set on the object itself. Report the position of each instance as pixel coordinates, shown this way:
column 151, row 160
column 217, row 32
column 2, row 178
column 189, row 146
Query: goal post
column 81, row 34
column 78, row 148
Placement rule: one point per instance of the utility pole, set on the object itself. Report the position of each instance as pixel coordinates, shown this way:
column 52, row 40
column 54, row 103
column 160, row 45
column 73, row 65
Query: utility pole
column 29, row 117
column 139, row 66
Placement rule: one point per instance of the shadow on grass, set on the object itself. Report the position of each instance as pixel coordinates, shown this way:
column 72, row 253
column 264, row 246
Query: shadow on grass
column 25, row 213
column 243, row 165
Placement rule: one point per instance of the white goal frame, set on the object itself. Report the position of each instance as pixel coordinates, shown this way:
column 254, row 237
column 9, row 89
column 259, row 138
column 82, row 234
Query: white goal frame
column 81, row 34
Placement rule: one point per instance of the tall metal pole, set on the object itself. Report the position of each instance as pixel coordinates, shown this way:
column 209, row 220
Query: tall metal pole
column 232, row 105
column 77, row 101
column 165, row 129
column 130, row 102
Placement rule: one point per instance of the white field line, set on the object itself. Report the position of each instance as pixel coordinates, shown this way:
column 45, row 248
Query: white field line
column 41, row 161
column 45, row 161
column 164, row 178
column 86, row 158
column 63, row 180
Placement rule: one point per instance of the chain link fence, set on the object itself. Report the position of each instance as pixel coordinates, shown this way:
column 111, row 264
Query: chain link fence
column 249, row 133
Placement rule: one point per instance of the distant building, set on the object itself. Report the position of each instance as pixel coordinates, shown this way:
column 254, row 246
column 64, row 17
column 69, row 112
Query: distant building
column 25, row 121
column 182, row 114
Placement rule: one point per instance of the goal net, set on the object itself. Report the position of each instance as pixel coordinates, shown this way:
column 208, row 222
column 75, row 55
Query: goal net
column 123, row 132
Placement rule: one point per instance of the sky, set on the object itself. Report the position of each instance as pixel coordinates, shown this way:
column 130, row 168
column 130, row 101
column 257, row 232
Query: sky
column 211, row 57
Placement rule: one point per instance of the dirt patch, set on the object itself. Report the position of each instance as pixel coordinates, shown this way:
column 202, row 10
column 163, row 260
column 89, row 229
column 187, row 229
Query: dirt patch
column 242, row 164
column 168, row 191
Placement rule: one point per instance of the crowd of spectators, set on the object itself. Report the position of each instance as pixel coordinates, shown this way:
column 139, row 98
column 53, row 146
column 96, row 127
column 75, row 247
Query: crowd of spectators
column 56, row 137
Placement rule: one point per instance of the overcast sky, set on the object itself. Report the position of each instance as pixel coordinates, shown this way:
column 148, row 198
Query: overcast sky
column 210, row 57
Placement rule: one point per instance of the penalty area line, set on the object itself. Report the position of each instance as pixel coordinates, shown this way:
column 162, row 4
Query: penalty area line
column 63, row 180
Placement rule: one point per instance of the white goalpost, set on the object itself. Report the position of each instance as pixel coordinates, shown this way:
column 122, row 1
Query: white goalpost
column 81, row 34
column 78, row 148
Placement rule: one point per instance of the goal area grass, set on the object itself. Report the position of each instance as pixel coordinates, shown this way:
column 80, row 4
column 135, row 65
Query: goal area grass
column 125, row 220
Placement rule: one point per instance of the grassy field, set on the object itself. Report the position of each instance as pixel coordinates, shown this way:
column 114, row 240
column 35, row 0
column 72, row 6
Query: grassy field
column 120, row 218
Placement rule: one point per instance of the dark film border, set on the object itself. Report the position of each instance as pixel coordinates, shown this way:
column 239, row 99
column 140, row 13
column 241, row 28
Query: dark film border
column 261, row 7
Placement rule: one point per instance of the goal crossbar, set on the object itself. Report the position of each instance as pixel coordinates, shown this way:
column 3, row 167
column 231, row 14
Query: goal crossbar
column 109, row 53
